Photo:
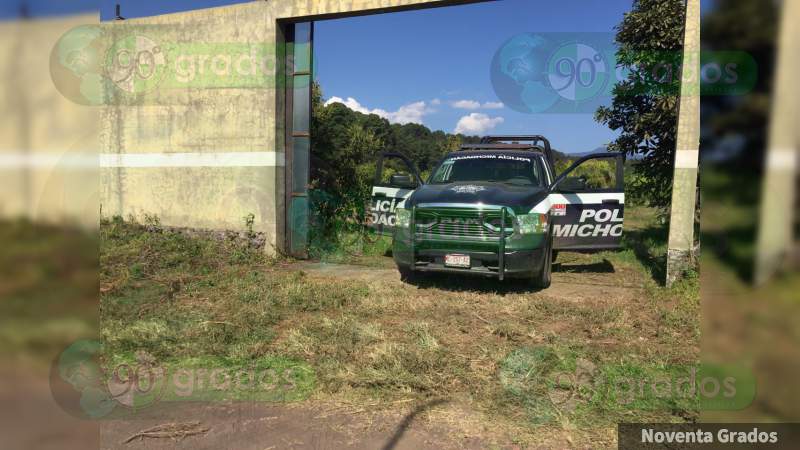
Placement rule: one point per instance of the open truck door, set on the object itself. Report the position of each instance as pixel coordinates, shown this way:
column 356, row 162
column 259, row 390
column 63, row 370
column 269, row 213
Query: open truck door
column 588, row 202
column 396, row 177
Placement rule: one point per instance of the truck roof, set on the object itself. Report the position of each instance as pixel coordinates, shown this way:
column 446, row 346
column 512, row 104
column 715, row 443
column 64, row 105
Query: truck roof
column 511, row 151
column 517, row 143
column 527, row 147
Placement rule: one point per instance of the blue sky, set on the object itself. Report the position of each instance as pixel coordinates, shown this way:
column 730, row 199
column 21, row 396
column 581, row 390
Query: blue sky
column 440, row 56
column 391, row 60
column 42, row 8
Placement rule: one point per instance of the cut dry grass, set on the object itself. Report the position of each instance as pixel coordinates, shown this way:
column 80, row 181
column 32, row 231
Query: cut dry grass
column 495, row 350
column 176, row 296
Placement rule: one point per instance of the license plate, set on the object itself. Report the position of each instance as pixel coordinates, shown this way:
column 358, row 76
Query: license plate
column 457, row 261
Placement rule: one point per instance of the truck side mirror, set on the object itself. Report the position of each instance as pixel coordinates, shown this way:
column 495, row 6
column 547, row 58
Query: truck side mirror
column 402, row 181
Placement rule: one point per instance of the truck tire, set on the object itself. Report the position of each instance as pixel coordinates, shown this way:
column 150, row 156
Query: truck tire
column 405, row 273
column 541, row 280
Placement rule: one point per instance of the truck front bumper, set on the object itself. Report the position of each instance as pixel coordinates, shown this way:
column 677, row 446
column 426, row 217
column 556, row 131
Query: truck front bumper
column 503, row 255
column 516, row 264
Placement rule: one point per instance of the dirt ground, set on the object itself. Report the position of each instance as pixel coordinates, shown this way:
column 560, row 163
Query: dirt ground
column 301, row 426
column 31, row 419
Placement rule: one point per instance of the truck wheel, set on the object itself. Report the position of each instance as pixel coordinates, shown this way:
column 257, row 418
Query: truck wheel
column 405, row 273
column 542, row 279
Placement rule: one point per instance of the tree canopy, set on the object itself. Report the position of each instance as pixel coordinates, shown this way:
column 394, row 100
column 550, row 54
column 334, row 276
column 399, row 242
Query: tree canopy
column 645, row 107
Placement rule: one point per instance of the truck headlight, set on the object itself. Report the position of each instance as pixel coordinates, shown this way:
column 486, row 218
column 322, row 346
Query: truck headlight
column 403, row 217
column 532, row 223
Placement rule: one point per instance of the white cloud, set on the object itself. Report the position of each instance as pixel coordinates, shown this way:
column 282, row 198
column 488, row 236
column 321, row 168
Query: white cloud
column 436, row 102
column 466, row 104
column 477, row 123
column 411, row 113
column 350, row 103
column 493, row 105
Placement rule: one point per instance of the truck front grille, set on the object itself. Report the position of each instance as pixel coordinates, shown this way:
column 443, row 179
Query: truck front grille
column 462, row 223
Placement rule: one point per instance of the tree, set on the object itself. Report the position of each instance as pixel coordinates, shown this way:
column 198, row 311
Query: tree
column 344, row 148
column 645, row 104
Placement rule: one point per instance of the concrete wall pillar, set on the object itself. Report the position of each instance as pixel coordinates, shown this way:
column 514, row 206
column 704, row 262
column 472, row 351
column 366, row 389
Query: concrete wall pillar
column 684, row 186
column 775, row 235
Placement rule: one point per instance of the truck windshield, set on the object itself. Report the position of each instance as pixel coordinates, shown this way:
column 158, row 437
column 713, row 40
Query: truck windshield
column 500, row 168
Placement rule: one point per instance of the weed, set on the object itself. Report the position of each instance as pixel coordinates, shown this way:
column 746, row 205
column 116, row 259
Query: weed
column 425, row 339
column 152, row 223
column 249, row 221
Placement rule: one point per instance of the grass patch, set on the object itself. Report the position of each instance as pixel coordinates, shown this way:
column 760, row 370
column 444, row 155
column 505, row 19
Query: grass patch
column 176, row 296
column 353, row 247
column 561, row 384
column 207, row 378
column 644, row 243
column 183, row 299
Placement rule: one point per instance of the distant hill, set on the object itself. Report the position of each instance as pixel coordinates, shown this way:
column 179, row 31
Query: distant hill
column 601, row 149
column 562, row 156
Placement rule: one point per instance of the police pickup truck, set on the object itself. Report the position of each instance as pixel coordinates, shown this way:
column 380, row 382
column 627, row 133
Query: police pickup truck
column 498, row 209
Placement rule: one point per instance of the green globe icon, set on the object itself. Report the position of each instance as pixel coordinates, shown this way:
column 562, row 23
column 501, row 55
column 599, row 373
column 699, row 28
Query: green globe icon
column 534, row 73
column 519, row 73
column 78, row 366
column 76, row 65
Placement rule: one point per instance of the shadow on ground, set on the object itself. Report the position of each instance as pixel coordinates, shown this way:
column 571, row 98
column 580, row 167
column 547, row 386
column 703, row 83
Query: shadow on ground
column 482, row 284
column 643, row 242
column 468, row 283
column 603, row 266
column 404, row 425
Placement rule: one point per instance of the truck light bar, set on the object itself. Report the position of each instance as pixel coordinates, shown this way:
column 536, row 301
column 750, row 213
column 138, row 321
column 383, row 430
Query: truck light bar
column 512, row 142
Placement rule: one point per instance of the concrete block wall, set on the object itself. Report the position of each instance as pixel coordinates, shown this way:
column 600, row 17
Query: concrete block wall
column 203, row 155
column 206, row 153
